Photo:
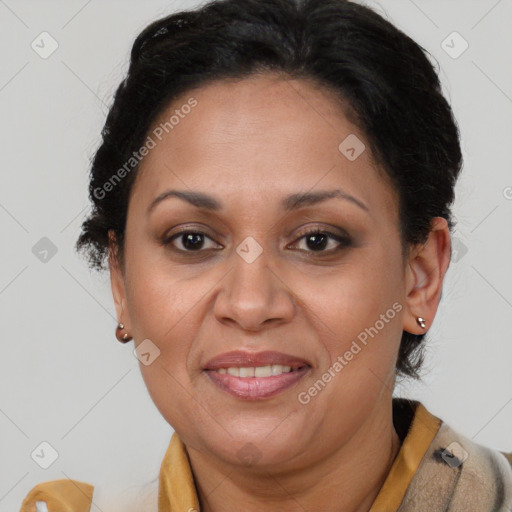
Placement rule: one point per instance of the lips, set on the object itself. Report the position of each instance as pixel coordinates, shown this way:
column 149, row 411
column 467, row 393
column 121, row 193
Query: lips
column 243, row 359
column 281, row 372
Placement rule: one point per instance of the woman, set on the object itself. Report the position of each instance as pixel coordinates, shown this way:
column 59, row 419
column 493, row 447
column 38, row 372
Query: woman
column 272, row 195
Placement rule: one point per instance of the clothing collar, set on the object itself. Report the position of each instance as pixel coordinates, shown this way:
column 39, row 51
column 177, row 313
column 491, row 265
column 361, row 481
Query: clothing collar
column 415, row 425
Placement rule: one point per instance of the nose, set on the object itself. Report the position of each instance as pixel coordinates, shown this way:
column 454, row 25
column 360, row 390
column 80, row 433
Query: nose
column 254, row 295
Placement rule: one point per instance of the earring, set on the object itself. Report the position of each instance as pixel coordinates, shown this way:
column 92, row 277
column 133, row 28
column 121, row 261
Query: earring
column 125, row 338
column 421, row 322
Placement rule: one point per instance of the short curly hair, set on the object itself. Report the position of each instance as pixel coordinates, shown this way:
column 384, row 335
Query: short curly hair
column 392, row 90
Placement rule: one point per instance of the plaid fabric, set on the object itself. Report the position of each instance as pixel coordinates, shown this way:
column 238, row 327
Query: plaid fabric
column 458, row 475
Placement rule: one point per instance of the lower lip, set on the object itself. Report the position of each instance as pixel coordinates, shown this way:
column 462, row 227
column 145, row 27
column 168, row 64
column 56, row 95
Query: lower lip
column 256, row 388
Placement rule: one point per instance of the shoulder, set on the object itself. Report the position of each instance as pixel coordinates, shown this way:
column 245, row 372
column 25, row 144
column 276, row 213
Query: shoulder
column 59, row 496
column 458, row 474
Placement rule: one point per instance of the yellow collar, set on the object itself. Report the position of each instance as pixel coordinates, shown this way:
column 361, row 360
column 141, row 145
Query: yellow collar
column 177, row 492
column 176, row 487
column 423, row 428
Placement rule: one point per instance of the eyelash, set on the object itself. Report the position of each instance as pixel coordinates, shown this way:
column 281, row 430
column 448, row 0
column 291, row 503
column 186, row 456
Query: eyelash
column 343, row 240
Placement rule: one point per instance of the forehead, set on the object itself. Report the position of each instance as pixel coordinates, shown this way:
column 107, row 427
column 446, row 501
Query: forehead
column 258, row 139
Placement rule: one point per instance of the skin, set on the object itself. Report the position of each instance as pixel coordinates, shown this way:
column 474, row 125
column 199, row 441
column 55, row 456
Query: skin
column 250, row 143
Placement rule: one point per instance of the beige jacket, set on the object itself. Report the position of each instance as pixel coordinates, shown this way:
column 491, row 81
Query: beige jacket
column 459, row 475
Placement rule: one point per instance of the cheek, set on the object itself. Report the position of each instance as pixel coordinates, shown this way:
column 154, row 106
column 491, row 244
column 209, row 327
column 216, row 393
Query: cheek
column 160, row 298
column 165, row 310
column 161, row 309
column 358, row 316
column 357, row 296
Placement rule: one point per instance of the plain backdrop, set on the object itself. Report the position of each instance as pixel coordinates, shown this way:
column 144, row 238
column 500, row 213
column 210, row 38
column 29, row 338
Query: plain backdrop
column 66, row 381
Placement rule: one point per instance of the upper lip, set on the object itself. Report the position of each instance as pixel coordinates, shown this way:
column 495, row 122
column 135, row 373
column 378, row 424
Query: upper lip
column 239, row 358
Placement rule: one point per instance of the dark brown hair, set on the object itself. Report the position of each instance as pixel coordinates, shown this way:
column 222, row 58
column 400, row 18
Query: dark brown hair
column 386, row 78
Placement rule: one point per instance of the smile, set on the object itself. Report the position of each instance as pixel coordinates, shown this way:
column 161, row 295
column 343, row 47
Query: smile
column 255, row 375
column 255, row 388
column 258, row 371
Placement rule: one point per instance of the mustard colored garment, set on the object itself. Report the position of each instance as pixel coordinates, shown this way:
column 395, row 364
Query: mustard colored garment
column 176, row 488
column 177, row 491
column 425, row 475
column 422, row 431
column 60, row 496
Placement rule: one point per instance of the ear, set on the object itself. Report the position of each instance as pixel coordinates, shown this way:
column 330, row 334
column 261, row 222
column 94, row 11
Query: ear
column 117, row 281
column 425, row 273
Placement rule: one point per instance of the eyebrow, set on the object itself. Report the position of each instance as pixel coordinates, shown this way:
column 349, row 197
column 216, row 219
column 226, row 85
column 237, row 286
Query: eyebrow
column 289, row 203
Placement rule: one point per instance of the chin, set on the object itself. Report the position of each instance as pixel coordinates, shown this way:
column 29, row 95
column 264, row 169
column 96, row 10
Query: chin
column 257, row 448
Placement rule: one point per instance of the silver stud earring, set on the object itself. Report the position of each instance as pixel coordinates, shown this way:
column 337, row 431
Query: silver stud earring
column 421, row 322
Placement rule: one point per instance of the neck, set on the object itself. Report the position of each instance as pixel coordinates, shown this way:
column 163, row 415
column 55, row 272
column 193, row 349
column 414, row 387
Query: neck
column 349, row 479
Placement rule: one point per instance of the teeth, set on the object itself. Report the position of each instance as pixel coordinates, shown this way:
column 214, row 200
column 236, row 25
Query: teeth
column 263, row 371
column 258, row 371
column 246, row 372
column 277, row 369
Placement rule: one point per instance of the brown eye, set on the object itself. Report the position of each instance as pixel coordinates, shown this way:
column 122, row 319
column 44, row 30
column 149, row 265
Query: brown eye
column 318, row 240
column 190, row 241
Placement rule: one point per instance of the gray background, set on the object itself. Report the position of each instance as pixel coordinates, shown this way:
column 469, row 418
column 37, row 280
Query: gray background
column 65, row 378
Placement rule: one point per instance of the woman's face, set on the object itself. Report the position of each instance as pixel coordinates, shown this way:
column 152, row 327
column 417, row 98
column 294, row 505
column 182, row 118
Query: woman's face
column 263, row 156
